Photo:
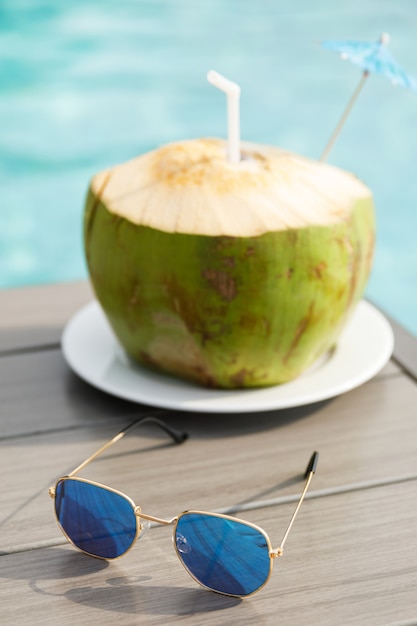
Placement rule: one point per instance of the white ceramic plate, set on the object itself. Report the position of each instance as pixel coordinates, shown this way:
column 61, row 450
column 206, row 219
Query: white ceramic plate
column 92, row 351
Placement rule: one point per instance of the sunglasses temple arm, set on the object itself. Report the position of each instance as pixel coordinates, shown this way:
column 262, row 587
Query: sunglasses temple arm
column 309, row 473
column 176, row 435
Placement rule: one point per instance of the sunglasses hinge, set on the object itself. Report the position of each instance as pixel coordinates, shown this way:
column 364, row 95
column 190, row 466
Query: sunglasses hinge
column 276, row 553
column 51, row 492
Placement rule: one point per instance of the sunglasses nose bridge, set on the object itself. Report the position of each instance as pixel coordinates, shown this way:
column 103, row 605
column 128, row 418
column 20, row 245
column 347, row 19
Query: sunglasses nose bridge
column 152, row 518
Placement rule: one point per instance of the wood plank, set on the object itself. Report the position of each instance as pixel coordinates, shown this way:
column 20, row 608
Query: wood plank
column 336, row 570
column 405, row 347
column 355, row 567
column 405, row 350
column 33, row 317
column 365, row 436
column 39, row 392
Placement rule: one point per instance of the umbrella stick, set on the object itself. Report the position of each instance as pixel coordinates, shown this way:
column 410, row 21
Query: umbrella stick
column 342, row 120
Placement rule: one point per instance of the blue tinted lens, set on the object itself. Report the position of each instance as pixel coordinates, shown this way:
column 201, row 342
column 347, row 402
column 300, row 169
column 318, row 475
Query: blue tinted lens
column 223, row 554
column 96, row 520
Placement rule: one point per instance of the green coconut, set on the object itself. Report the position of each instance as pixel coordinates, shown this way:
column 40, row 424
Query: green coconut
column 229, row 275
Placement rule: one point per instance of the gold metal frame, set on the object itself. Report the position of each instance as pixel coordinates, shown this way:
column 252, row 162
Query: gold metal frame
column 178, row 437
column 139, row 526
column 233, row 519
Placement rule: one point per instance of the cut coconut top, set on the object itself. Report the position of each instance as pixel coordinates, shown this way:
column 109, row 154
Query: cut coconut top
column 190, row 187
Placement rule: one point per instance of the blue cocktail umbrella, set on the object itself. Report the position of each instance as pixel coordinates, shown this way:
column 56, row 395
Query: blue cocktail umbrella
column 371, row 57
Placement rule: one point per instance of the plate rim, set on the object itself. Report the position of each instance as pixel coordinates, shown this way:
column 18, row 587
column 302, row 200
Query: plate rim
column 201, row 406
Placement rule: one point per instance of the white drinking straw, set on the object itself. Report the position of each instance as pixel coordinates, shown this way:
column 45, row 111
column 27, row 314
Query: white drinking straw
column 233, row 114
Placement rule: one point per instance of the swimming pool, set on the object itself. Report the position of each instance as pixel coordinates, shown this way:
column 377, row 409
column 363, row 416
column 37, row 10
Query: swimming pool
column 86, row 85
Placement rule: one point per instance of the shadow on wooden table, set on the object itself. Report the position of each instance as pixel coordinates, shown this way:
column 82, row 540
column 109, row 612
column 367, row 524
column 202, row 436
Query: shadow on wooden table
column 200, row 424
column 76, row 578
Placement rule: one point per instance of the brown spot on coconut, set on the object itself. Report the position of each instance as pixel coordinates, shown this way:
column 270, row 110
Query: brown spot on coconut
column 221, row 282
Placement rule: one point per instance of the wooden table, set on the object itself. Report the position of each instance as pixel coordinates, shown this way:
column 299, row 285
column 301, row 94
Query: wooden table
column 351, row 557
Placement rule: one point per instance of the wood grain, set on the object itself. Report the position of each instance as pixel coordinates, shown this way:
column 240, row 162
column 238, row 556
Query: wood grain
column 344, row 564
column 33, row 317
column 349, row 560
column 368, row 435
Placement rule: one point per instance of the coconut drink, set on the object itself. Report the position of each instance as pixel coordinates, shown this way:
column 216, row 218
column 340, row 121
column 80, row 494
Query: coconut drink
column 228, row 274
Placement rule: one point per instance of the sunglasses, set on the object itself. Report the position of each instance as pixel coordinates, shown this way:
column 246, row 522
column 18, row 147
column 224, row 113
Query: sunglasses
column 222, row 553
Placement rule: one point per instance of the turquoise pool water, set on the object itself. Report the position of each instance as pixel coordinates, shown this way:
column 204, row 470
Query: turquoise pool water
column 84, row 85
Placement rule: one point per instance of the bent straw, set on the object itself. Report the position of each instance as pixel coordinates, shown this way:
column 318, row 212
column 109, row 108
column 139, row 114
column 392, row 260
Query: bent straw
column 232, row 91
